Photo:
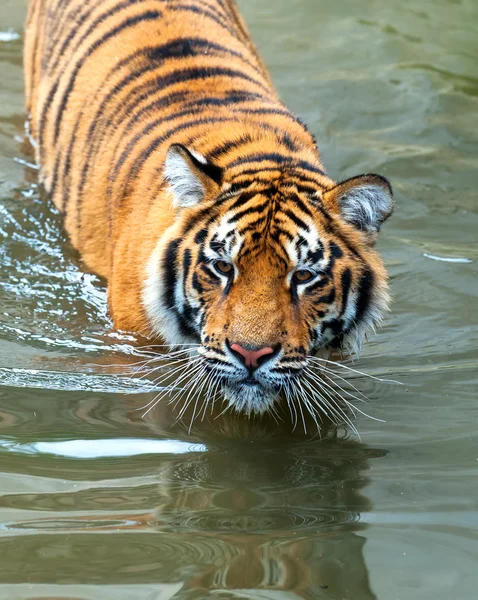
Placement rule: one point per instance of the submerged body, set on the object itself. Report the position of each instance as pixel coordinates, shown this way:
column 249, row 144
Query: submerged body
column 189, row 186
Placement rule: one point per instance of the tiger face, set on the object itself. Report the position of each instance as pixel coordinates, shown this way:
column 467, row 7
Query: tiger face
column 264, row 273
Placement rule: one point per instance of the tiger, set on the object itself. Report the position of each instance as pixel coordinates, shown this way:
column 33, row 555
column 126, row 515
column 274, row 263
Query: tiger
column 197, row 195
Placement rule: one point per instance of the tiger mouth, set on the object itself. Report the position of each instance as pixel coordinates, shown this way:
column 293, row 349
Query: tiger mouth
column 250, row 381
column 250, row 396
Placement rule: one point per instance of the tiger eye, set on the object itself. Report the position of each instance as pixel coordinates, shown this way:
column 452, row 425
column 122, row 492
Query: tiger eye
column 223, row 267
column 303, row 275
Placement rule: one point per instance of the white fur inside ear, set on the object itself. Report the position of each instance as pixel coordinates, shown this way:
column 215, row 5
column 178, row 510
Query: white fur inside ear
column 366, row 207
column 186, row 188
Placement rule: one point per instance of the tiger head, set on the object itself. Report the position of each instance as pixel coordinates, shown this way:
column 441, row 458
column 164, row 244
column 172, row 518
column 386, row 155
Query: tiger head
column 264, row 272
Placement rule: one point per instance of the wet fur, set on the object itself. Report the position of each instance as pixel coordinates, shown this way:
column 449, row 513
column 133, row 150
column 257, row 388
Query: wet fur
column 165, row 146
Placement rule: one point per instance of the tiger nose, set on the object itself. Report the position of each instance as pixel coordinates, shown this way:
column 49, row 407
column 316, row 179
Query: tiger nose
column 251, row 358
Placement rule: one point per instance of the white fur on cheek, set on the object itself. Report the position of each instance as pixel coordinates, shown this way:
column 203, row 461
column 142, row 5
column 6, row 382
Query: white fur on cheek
column 186, row 188
column 366, row 207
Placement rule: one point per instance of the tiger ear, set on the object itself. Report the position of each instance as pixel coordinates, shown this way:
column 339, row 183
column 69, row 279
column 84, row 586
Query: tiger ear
column 190, row 175
column 365, row 202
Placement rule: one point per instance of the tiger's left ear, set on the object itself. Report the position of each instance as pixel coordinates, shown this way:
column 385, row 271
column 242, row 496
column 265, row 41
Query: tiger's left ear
column 190, row 175
column 365, row 202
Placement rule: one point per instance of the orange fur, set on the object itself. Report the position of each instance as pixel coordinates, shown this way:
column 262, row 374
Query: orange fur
column 129, row 99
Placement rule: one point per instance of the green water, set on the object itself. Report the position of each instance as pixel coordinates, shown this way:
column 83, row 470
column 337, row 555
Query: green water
column 97, row 502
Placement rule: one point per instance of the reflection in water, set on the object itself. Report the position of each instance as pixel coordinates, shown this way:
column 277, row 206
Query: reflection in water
column 237, row 509
column 279, row 523
column 245, row 518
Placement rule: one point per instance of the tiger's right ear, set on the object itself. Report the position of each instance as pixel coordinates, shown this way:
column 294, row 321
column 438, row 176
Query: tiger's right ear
column 190, row 175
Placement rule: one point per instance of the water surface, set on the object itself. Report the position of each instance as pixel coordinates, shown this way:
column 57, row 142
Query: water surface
column 97, row 502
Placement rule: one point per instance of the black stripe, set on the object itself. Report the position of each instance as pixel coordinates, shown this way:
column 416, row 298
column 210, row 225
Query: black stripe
column 149, row 87
column 282, row 112
column 170, row 272
column 169, row 267
column 93, row 27
column 94, row 146
column 259, row 157
column 328, row 299
column 197, row 218
column 66, row 170
column 300, row 204
column 315, row 255
column 302, row 188
column 201, row 235
column 280, row 159
column 129, row 22
column 345, row 280
column 286, row 370
column 226, row 147
column 223, row 7
column 231, row 97
column 333, row 227
column 336, row 328
column 54, row 88
column 335, row 251
column 267, row 111
column 94, row 142
column 187, row 259
column 205, row 13
column 248, row 211
column 181, row 76
column 295, row 179
column 216, row 245
column 318, row 285
column 60, row 18
column 292, row 359
column 255, row 171
column 243, row 198
column 252, row 225
column 297, row 220
column 197, row 284
column 300, row 241
column 307, row 166
column 175, row 49
column 275, row 235
column 365, row 289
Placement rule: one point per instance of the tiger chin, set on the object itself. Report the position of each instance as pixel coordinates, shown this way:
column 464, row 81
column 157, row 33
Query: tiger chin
column 201, row 199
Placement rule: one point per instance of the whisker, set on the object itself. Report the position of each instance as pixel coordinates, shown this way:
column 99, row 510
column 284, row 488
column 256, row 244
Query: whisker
column 161, row 367
column 211, row 395
column 302, row 415
column 150, row 346
column 198, row 396
column 339, row 364
column 309, row 399
column 353, row 407
column 170, row 372
column 290, row 403
column 320, row 380
column 198, row 379
column 158, row 398
column 340, row 411
column 158, row 381
column 313, row 413
column 340, row 416
column 326, row 370
column 147, row 360
column 196, row 372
